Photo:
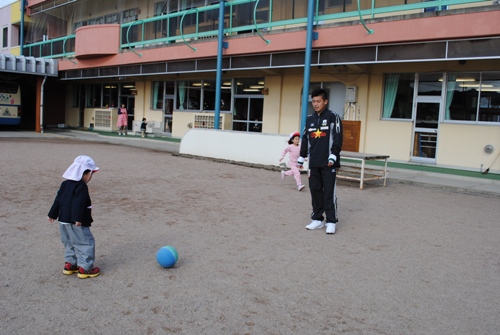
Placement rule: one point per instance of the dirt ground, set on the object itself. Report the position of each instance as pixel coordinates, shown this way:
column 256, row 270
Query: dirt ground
column 405, row 259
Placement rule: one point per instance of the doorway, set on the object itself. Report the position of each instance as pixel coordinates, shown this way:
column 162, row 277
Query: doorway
column 425, row 128
column 168, row 108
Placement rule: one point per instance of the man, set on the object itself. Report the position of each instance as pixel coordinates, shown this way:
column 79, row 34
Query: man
column 321, row 143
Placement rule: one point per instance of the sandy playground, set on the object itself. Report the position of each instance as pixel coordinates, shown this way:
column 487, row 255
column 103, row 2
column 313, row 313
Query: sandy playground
column 405, row 259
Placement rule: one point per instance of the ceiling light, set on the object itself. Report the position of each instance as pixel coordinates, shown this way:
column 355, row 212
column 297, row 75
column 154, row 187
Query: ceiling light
column 494, row 89
column 199, row 84
column 476, row 85
column 459, row 80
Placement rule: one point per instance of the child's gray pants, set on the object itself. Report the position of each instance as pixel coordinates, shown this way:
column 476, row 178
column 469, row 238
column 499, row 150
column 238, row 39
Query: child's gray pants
column 79, row 245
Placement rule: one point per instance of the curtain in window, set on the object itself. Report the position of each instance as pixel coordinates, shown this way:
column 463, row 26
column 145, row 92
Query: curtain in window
column 452, row 84
column 156, row 85
column 391, row 89
column 182, row 93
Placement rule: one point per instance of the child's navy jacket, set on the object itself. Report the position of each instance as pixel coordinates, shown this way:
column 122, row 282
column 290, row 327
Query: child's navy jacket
column 72, row 203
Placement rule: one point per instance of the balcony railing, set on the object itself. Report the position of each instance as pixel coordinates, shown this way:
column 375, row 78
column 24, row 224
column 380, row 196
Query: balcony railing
column 241, row 16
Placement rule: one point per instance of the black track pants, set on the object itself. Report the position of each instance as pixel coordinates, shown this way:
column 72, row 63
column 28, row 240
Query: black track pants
column 323, row 186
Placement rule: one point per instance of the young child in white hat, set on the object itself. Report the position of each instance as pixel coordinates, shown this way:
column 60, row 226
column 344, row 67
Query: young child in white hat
column 72, row 207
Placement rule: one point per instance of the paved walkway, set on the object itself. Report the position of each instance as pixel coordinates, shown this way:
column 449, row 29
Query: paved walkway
column 480, row 186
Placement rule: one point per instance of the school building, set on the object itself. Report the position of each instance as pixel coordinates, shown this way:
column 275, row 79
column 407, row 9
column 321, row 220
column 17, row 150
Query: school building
column 416, row 80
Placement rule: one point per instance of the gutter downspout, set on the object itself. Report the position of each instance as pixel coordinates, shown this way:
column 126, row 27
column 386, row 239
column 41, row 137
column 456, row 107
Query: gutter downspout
column 218, row 82
column 21, row 37
column 41, row 104
column 307, row 63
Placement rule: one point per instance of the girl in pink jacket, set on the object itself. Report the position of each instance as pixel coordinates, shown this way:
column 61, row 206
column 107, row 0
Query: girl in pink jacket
column 293, row 150
column 122, row 120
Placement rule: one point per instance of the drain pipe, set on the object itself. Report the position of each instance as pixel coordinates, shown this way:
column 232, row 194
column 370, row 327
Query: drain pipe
column 220, row 46
column 21, row 37
column 307, row 62
column 41, row 104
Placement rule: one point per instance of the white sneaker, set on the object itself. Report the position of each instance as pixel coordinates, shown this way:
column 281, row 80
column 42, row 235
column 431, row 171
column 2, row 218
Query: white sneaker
column 330, row 228
column 315, row 224
column 301, row 187
column 282, row 175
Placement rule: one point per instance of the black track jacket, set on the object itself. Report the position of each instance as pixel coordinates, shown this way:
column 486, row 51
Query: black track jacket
column 321, row 138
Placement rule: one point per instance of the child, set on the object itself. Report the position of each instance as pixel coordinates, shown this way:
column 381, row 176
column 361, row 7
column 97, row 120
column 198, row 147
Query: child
column 122, row 120
column 143, row 127
column 72, row 207
column 293, row 150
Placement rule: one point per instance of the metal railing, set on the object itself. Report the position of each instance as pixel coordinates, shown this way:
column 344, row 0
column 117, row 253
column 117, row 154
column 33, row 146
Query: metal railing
column 241, row 16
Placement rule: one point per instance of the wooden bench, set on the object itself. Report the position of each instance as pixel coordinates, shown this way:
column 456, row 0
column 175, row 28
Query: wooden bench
column 358, row 171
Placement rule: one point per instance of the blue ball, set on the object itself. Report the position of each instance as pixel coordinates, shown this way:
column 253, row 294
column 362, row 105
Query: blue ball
column 167, row 256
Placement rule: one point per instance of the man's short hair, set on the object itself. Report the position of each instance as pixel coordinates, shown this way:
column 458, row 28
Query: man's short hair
column 319, row 92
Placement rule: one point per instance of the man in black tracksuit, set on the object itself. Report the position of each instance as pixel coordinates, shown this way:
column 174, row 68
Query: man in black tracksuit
column 321, row 143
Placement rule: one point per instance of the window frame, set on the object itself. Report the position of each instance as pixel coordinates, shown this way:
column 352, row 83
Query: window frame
column 5, row 37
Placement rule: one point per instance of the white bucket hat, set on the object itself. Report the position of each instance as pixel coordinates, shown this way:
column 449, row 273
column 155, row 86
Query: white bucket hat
column 80, row 164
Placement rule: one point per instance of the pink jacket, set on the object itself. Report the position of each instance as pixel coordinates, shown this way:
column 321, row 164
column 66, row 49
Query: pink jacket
column 122, row 118
column 293, row 153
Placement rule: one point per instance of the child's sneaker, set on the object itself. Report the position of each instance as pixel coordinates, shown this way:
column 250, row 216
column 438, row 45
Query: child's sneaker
column 69, row 268
column 88, row 273
column 301, row 187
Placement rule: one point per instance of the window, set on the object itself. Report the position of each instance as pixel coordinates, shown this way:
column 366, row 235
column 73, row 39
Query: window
column 110, row 95
column 473, row 97
column 95, row 95
column 5, row 37
column 336, row 5
column 127, row 89
column 88, row 96
column 247, row 115
column 248, row 104
column 249, row 86
column 398, row 96
column 157, row 95
column 209, row 93
column 188, row 95
column 76, row 96
column 106, row 19
column 430, row 84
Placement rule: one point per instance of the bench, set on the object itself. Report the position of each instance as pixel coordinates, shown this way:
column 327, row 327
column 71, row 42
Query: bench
column 358, row 171
column 153, row 129
column 148, row 134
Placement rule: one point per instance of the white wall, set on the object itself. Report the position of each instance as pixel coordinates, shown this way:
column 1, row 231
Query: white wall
column 255, row 148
